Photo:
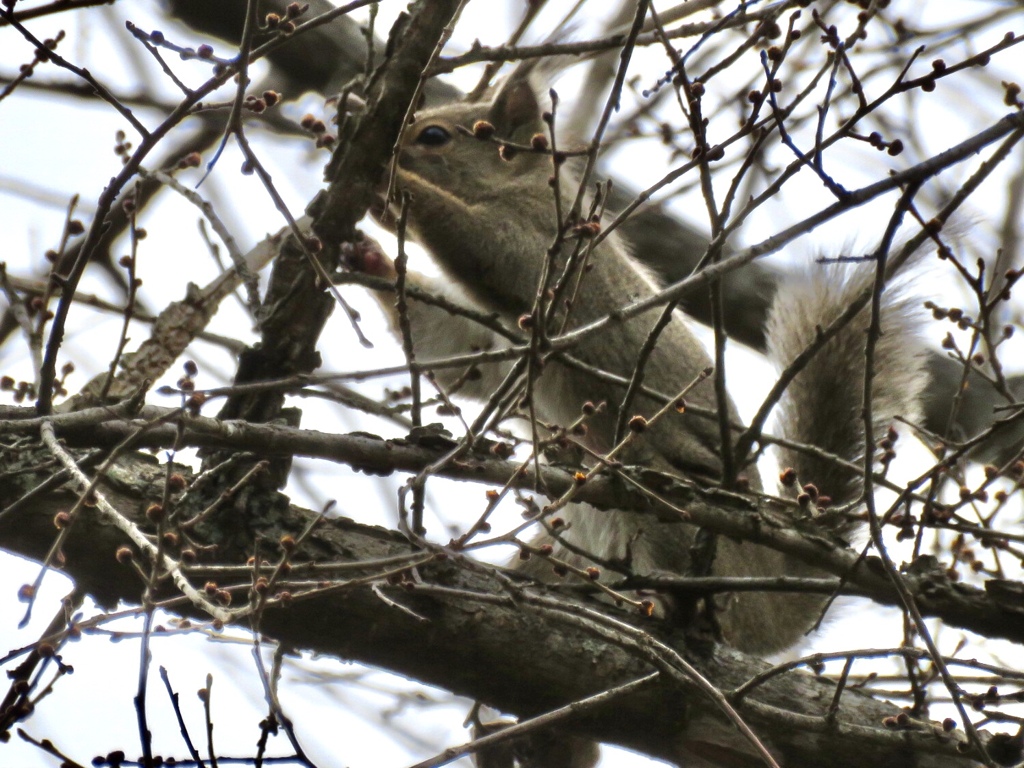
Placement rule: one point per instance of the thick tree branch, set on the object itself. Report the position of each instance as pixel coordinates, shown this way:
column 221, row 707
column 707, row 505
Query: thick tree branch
column 992, row 611
column 298, row 306
column 464, row 628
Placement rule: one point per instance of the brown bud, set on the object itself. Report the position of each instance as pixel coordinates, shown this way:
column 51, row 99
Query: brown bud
column 483, row 129
column 501, row 450
column 637, row 424
column 191, row 160
column 587, row 229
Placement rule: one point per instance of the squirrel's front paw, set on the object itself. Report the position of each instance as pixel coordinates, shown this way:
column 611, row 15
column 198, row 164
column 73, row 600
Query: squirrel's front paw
column 367, row 256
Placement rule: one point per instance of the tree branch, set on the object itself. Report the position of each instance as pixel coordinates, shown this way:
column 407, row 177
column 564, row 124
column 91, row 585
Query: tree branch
column 991, row 611
column 485, row 637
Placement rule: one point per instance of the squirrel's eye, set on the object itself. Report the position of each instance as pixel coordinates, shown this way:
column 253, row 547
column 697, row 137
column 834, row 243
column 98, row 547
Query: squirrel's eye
column 433, row 136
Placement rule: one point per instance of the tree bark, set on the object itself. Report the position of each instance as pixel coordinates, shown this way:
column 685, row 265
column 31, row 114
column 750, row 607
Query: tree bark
column 456, row 625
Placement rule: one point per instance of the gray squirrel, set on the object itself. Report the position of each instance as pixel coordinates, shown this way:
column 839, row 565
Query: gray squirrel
column 487, row 216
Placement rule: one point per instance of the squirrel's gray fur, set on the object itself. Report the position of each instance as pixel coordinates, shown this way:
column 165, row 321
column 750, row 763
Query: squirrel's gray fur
column 489, row 222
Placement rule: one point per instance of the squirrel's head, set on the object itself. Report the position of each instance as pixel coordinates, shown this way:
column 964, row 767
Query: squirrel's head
column 459, row 147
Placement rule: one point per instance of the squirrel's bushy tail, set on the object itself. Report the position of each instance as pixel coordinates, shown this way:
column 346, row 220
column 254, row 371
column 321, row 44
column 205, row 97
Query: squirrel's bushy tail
column 823, row 405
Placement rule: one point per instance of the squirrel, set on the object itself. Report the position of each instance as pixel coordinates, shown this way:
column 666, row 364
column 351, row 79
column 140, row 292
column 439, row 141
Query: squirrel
column 486, row 214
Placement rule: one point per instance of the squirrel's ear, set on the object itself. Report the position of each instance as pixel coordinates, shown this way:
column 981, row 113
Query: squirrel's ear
column 515, row 112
